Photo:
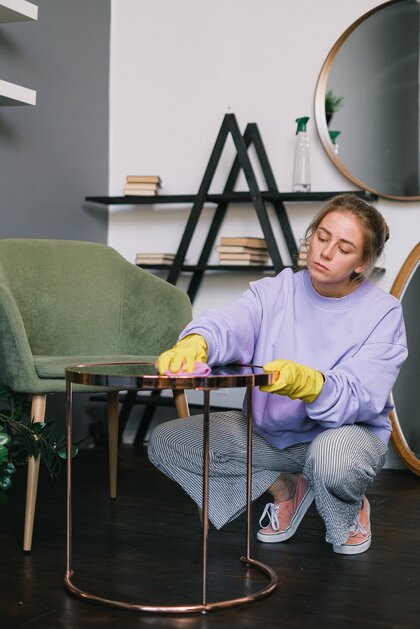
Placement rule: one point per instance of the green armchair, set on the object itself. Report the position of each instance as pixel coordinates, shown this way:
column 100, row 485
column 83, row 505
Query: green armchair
column 66, row 302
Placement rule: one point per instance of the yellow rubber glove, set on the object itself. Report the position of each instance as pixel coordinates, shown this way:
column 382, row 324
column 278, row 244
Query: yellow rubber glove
column 294, row 380
column 190, row 349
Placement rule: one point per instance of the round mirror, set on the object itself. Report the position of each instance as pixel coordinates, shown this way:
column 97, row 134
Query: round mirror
column 367, row 101
column 405, row 417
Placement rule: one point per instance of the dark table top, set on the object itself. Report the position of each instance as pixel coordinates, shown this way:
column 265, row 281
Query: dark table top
column 145, row 376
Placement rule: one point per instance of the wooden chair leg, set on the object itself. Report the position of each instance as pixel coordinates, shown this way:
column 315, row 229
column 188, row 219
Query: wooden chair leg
column 113, row 399
column 181, row 403
column 38, row 415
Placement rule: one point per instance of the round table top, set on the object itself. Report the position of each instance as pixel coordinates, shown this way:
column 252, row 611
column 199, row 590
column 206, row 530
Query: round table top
column 145, row 376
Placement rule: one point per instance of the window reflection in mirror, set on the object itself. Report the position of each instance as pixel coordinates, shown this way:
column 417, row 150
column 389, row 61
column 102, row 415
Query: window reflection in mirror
column 374, row 69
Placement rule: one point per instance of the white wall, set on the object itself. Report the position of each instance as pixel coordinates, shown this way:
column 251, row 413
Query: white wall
column 177, row 68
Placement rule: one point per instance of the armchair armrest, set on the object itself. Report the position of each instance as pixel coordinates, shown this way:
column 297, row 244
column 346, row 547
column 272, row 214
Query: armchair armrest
column 17, row 369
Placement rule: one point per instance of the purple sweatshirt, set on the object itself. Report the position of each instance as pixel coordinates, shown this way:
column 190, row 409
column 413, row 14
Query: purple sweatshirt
column 358, row 342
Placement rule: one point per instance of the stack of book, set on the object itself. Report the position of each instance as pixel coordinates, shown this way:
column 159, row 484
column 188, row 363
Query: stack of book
column 142, row 185
column 302, row 252
column 154, row 258
column 244, row 250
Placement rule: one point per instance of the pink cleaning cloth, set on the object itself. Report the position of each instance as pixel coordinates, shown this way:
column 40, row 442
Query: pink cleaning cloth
column 200, row 369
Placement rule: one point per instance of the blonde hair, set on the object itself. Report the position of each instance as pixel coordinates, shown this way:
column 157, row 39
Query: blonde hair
column 375, row 230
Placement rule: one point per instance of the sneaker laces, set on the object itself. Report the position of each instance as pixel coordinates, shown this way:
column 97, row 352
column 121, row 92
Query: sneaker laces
column 271, row 510
column 357, row 527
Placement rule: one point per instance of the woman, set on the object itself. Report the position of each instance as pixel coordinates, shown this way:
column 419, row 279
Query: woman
column 336, row 344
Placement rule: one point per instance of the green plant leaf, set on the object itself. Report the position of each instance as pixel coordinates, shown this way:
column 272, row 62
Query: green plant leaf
column 4, row 454
column 20, row 438
column 63, row 452
column 332, row 102
column 37, row 427
column 10, row 469
column 4, row 439
column 5, row 482
column 30, row 444
column 20, row 457
column 48, row 430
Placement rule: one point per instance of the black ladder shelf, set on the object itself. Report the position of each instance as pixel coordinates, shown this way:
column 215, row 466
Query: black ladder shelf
column 254, row 195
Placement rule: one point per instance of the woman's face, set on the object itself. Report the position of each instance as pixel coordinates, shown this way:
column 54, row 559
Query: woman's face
column 335, row 251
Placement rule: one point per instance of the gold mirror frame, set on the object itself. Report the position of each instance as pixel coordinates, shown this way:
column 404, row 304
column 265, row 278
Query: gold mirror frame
column 403, row 450
column 319, row 107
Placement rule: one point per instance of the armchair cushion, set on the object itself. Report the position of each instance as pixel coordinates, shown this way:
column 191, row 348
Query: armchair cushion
column 54, row 366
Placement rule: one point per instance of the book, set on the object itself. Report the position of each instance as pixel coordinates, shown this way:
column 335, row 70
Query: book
column 141, row 186
column 154, row 261
column 245, row 241
column 302, row 252
column 244, row 256
column 153, row 254
column 144, row 179
column 155, row 258
column 241, row 262
column 239, row 249
column 134, row 192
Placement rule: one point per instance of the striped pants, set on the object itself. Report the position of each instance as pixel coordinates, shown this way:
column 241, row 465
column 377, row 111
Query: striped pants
column 339, row 465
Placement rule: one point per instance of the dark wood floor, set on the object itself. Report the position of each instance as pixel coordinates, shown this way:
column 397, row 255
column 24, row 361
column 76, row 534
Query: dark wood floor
column 145, row 547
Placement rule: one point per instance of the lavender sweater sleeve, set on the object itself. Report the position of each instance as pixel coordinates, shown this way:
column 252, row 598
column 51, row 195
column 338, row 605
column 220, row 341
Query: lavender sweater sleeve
column 232, row 332
column 357, row 388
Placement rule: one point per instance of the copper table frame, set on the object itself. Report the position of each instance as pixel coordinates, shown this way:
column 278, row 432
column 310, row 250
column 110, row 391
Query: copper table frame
column 130, row 376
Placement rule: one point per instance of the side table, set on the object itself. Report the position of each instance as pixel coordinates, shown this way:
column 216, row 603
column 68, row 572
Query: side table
column 143, row 376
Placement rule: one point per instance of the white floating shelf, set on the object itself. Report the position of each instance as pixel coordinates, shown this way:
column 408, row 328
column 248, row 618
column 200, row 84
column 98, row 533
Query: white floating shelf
column 17, row 11
column 11, row 94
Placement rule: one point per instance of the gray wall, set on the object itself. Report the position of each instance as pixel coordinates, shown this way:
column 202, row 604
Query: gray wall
column 54, row 154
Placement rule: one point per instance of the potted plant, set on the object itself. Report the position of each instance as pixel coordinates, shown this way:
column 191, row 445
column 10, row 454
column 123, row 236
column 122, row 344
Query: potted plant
column 332, row 104
column 20, row 437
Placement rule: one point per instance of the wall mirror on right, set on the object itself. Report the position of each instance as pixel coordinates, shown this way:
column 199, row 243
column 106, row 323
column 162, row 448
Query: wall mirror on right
column 405, row 417
column 367, row 101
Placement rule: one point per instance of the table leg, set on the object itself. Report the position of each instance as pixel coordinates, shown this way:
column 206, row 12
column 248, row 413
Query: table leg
column 69, row 414
column 204, row 606
column 249, row 473
column 247, row 558
column 206, row 420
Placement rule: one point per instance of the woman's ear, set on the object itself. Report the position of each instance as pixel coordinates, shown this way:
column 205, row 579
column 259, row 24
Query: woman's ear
column 361, row 268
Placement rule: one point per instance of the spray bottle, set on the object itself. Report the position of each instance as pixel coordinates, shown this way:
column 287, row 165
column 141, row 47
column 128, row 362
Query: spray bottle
column 302, row 165
column 334, row 135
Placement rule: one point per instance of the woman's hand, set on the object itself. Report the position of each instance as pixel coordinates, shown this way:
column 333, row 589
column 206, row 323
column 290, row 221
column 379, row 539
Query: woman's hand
column 183, row 355
column 294, row 380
